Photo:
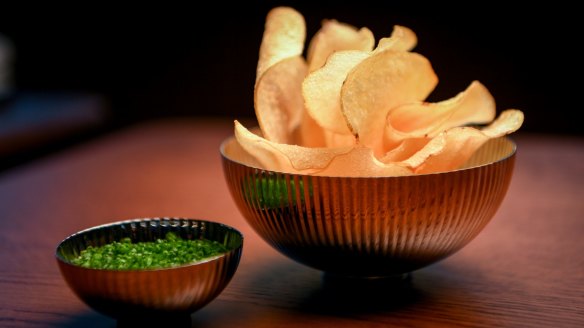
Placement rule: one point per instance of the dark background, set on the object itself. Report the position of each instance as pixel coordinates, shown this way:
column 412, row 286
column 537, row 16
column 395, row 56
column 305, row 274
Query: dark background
column 161, row 60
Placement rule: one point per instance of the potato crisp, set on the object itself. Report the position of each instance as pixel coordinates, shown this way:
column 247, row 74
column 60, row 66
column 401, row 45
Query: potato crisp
column 353, row 108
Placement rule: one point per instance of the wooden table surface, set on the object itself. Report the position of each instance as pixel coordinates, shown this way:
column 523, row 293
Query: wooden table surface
column 525, row 269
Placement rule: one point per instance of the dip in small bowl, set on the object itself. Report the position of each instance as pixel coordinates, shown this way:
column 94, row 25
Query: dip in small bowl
column 169, row 286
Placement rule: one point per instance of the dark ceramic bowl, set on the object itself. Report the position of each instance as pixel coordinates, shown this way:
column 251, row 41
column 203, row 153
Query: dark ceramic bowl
column 127, row 293
column 371, row 226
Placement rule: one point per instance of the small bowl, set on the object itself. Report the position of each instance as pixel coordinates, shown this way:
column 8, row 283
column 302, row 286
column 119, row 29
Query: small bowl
column 153, row 292
column 371, row 226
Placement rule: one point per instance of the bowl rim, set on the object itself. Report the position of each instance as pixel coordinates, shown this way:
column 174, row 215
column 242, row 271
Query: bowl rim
column 507, row 138
column 65, row 261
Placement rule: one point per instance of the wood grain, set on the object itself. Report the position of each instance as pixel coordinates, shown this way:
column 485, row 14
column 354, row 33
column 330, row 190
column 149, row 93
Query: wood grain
column 525, row 269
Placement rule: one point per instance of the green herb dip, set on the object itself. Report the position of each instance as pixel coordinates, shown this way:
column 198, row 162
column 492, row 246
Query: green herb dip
column 162, row 253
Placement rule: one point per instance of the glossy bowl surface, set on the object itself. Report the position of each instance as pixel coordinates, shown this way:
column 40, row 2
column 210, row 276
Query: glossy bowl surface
column 371, row 226
column 128, row 293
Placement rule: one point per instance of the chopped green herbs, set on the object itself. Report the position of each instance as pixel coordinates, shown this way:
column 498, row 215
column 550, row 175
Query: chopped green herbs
column 162, row 253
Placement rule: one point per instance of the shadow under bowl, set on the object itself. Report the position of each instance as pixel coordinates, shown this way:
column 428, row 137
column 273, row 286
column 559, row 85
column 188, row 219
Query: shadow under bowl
column 370, row 226
column 153, row 293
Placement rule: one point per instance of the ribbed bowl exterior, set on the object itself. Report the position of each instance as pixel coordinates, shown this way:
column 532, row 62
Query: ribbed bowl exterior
column 372, row 226
column 182, row 289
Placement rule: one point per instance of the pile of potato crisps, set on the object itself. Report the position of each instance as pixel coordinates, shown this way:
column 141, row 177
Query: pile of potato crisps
column 355, row 109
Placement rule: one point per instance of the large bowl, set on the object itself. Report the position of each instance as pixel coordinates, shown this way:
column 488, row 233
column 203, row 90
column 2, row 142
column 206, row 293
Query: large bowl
column 371, row 226
column 137, row 293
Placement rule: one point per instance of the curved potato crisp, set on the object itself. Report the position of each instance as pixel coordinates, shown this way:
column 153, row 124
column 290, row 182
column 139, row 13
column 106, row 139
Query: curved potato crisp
column 252, row 144
column 346, row 161
column 401, row 39
column 309, row 133
column 405, row 150
column 354, row 110
column 278, row 99
column 508, row 121
column 335, row 36
column 284, row 157
column 284, row 36
column 361, row 162
column 379, row 83
column 453, row 147
column 334, row 140
column 322, row 90
column 475, row 105
column 235, row 150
